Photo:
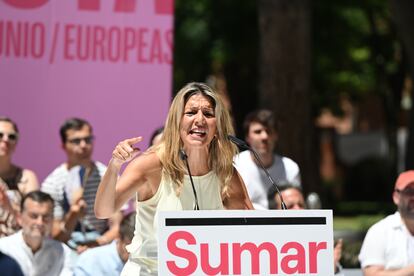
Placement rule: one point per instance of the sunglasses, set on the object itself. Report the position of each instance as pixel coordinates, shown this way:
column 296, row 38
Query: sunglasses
column 12, row 137
column 406, row 192
column 76, row 141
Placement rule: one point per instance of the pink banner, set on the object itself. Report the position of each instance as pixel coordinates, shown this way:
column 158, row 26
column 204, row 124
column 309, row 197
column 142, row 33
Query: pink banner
column 109, row 62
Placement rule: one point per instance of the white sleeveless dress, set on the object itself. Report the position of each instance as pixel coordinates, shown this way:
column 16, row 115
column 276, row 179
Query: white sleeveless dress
column 143, row 248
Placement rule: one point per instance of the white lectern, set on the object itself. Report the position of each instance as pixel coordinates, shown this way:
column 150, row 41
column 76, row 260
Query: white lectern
column 274, row 242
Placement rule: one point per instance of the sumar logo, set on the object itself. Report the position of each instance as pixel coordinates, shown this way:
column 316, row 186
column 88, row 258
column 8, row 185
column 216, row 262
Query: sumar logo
column 291, row 258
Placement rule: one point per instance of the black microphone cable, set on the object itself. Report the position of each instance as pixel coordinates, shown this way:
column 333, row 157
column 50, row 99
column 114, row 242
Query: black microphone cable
column 242, row 144
column 184, row 157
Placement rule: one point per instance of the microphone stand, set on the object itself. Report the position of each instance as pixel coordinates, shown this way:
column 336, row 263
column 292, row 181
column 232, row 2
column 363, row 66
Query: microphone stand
column 244, row 145
column 184, row 157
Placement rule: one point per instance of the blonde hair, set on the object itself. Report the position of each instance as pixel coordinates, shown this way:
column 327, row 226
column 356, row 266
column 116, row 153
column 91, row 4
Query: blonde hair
column 221, row 150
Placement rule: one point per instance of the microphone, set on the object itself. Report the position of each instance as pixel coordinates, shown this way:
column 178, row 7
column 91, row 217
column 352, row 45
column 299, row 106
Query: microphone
column 242, row 144
column 184, row 157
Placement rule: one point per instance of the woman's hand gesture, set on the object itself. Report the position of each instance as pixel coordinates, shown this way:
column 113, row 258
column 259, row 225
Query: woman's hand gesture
column 125, row 150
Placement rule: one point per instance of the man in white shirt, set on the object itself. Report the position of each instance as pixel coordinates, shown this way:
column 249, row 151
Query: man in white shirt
column 262, row 135
column 388, row 247
column 73, row 187
column 294, row 200
column 108, row 260
column 31, row 247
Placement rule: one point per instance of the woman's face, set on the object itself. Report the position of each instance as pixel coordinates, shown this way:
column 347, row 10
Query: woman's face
column 198, row 124
column 8, row 139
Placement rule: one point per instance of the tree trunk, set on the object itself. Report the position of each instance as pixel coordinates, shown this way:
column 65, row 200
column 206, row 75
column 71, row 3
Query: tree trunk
column 284, row 80
column 402, row 11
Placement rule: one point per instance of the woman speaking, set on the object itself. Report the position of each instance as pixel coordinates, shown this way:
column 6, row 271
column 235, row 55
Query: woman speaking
column 191, row 168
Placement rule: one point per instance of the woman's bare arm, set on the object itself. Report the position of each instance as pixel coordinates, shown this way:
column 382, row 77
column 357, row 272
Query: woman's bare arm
column 237, row 198
column 138, row 176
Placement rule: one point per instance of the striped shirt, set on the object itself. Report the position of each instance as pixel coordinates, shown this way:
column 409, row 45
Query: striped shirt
column 61, row 180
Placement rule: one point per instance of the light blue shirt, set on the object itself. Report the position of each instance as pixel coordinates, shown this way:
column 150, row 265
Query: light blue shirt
column 102, row 260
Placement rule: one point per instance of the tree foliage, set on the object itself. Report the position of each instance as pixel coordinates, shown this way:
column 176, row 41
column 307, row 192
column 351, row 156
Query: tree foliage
column 355, row 51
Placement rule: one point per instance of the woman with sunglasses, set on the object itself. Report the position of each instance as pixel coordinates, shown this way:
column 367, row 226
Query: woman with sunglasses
column 15, row 181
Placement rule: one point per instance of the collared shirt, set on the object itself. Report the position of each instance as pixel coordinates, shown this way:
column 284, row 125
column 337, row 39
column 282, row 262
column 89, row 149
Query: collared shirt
column 63, row 181
column 53, row 257
column 102, row 260
column 282, row 170
column 387, row 244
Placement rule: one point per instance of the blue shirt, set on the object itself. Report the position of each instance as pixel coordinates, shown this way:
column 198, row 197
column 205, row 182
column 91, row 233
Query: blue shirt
column 8, row 266
column 102, row 260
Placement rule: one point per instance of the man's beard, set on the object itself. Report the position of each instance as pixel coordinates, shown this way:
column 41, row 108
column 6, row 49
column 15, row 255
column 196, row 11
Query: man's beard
column 406, row 210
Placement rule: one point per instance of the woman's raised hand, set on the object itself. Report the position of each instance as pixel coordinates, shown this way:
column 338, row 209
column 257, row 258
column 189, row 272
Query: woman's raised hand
column 125, row 150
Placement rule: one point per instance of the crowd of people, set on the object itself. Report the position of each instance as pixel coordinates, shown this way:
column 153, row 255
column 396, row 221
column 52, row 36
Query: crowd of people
column 75, row 222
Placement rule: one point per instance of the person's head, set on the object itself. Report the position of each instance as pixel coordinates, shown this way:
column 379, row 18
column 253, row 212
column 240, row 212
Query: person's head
column 9, row 134
column 156, row 136
column 126, row 233
column 77, row 140
column 197, row 119
column 403, row 195
column 260, row 130
column 292, row 196
column 36, row 215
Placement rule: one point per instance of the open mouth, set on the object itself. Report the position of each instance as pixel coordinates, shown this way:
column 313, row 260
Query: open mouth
column 198, row 132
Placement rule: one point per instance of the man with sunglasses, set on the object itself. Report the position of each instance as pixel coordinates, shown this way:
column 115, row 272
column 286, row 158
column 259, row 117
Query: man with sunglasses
column 388, row 247
column 73, row 186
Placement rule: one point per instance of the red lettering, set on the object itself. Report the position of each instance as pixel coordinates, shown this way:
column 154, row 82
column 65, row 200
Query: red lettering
column 26, row 4
column 38, row 31
column 222, row 268
column 129, row 42
column 82, row 45
column 68, row 41
column 125, row 5
column 142, row 32
column 164, row 6
column 313, row 255
column 26, row 38
column 22, row 39
column 255, row 255
column 169, row 36
column 299, row 258
column 114, row 44
column 293, row 257
column 98, row 43
column 13, row 39
column 89, row 5
column 156, row 51
column 182, row 253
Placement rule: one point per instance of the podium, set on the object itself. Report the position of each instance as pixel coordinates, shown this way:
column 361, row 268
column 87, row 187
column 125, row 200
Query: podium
column 225, row 242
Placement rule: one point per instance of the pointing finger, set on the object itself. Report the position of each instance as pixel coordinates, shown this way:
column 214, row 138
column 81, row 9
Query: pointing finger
column 134, row 140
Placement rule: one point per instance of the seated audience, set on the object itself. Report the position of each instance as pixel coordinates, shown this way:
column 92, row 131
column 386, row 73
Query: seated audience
column 15, row 181
column 108, row 259
column 261, row 134
column 31, row 247
column 73, row 186
column 294, row 200
column 9, row 266
column 388, row 247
